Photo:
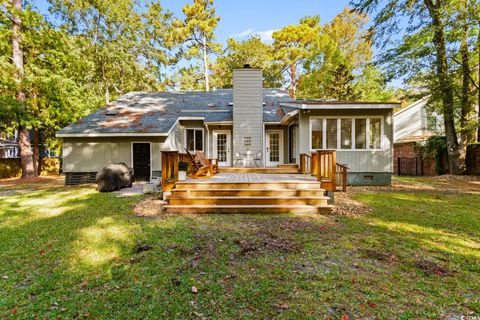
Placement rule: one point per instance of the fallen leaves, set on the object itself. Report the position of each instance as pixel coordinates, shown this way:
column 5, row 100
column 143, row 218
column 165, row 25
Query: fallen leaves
column 432, row 268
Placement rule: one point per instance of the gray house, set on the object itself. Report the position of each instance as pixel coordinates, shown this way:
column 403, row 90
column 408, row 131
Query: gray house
column 236, row 126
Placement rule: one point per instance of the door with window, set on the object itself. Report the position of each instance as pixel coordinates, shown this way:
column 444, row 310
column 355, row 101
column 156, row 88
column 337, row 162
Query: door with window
column 221, row 148
column 274, row 148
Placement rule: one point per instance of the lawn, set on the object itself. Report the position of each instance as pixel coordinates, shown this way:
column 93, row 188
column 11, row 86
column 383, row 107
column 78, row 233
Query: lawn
column 70, row 252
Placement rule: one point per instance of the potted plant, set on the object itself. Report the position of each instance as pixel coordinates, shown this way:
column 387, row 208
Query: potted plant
column 182, row 171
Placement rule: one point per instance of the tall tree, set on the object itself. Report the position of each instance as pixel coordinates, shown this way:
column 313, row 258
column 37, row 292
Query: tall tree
column 293, row 46
column 199, row 34
column 251, row 51
column 16, row 11
column 425, row 45
column 126, row 45
column 340, row 65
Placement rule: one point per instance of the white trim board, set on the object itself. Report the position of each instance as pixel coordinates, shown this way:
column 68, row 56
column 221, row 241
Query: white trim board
column 336, row 106
column 109, row 135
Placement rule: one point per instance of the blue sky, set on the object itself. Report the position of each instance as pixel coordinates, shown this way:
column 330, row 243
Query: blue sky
column 241, row 17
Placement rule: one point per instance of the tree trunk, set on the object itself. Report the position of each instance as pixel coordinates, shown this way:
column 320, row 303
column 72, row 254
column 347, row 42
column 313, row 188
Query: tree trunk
column 36, row 150
column 28, row 170
column 455, row 160
column 293, row 81
column 467, row 107
column 205, row 63
column 478, row 87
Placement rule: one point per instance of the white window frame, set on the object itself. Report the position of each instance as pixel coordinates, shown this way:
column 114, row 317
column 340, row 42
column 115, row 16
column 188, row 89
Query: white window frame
column 194, row 142
column 353, row 141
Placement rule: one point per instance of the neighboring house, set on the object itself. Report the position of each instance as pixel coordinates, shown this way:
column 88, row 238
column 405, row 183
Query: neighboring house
column 414, row 125
column 9, row 145
column 228, row 123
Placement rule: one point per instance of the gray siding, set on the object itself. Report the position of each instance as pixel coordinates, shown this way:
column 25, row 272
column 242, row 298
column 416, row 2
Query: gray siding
column 92, row 154
column 356, row 160
column 411, row 122
column 247, row 109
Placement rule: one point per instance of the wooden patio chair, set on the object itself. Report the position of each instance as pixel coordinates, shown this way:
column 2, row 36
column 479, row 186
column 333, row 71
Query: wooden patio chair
column 199, row 169
column 200, row 157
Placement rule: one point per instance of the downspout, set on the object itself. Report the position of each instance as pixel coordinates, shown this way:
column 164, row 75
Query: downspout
column 207, row 145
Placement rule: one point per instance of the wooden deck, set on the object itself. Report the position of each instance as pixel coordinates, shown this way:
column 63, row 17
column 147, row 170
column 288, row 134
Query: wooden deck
column 253, row 177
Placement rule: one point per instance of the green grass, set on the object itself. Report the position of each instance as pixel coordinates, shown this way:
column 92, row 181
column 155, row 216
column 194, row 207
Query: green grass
column 68, row 252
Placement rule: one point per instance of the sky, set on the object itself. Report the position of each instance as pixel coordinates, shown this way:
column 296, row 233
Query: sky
column 241, row 18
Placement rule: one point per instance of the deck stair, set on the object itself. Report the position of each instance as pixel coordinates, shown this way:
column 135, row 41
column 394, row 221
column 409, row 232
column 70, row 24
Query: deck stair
column 247, row 197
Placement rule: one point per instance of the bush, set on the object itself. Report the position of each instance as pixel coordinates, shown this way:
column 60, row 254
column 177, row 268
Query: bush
column 182, row 166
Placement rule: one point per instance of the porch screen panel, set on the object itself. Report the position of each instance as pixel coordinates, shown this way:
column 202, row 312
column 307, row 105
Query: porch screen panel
column 360, row 133
column 374, row 134
column 317, row 133
column 331, row 133
column 346, row 134
column 222, row 147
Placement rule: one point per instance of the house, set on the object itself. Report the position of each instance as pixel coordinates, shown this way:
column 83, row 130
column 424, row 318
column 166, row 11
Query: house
column 414, row 125
column 231, row 125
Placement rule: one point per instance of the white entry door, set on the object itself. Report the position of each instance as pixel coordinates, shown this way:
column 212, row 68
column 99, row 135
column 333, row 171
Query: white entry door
column 221, row 148
column 274, row 148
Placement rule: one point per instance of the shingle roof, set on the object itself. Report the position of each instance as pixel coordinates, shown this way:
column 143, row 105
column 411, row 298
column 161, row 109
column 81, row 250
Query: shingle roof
column 156, row 113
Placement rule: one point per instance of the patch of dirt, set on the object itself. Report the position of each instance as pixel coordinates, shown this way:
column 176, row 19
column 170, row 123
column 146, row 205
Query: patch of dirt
column 148, row 207
column 442, row 184
column 431, row 268
column 345, row 205
column 381, row 256
column 141, row 247
column 266, row 242
column 41, row 180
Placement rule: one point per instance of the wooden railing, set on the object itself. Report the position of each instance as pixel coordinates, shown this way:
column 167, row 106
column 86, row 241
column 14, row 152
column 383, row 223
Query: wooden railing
column 170, row 160
column 323, row 164
column 341, row 173
column 305, row 161
column 326, row 169
column 169, row 169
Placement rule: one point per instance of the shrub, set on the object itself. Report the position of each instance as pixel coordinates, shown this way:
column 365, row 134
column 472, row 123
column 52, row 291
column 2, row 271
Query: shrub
column 182, row 166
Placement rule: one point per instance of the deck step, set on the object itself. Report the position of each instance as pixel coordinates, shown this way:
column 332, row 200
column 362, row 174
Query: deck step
column 242, row 201
column 261, row 209
column 208, row 185
column 288, row 165
column 310, row 192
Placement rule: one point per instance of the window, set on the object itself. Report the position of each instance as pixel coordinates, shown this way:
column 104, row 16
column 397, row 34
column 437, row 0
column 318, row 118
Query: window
column 346, row 134
column 331, row 133
column 374, row 134
column 431, row 123
column 360, row 133
column 194, row 139
column 317, row 133
column 247, row 142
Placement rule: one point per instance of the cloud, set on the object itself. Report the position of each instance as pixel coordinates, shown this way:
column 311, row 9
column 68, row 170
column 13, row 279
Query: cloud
column 265, row 36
